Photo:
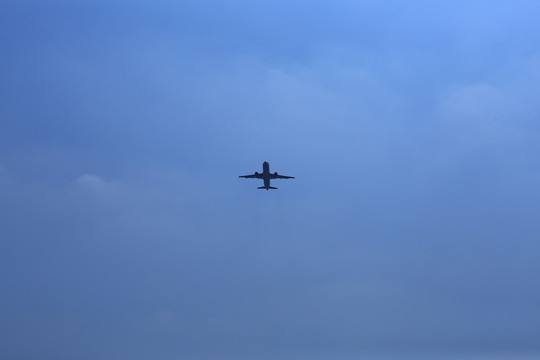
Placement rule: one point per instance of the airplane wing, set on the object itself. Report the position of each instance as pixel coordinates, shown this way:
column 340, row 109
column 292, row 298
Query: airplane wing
column 277, row 176
column 253, row 176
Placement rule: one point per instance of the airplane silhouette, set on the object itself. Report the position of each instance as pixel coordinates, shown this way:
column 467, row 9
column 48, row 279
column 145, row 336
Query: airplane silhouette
column 266, row 176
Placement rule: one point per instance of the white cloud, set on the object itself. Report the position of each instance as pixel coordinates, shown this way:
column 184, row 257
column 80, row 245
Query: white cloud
column 91, row 181
column 478, row 115
column 96, row 185
column 484, row 104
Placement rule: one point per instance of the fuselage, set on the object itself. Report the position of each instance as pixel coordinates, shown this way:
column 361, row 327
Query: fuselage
column 266, row 175
column 266, row 170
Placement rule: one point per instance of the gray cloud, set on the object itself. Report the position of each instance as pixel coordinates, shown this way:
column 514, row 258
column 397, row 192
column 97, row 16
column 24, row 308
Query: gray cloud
column 409, row 232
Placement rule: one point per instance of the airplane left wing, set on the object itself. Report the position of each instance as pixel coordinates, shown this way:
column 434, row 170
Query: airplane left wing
column 247, row 176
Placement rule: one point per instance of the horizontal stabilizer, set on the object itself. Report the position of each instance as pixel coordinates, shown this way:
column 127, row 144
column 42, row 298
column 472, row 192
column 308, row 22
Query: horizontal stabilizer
column 267, row 187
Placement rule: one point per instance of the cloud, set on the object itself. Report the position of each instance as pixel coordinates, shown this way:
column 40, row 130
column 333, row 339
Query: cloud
column 484, row 117
column 94, row 191
column 96, row 185
column 156, row 229
column 91, row 182
column 482, row 110
column 475, row 100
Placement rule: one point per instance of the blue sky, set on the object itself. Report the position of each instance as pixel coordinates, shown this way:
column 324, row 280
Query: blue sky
column 410, row 231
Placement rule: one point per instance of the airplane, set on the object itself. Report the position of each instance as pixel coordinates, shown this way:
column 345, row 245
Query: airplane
column 266, row 176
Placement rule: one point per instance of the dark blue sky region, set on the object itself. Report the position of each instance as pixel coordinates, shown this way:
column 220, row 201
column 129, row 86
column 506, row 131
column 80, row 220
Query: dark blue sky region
column 410, row 232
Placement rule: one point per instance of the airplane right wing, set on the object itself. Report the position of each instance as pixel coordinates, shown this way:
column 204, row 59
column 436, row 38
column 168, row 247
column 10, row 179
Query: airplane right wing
column 254, row 176
column 277, row 176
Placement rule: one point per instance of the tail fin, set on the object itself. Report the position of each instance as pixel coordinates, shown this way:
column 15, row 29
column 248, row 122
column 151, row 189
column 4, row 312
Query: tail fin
column 267, row 187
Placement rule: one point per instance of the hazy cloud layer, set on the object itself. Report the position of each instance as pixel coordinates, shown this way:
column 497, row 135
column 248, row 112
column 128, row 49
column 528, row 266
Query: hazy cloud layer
column 411, row 230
